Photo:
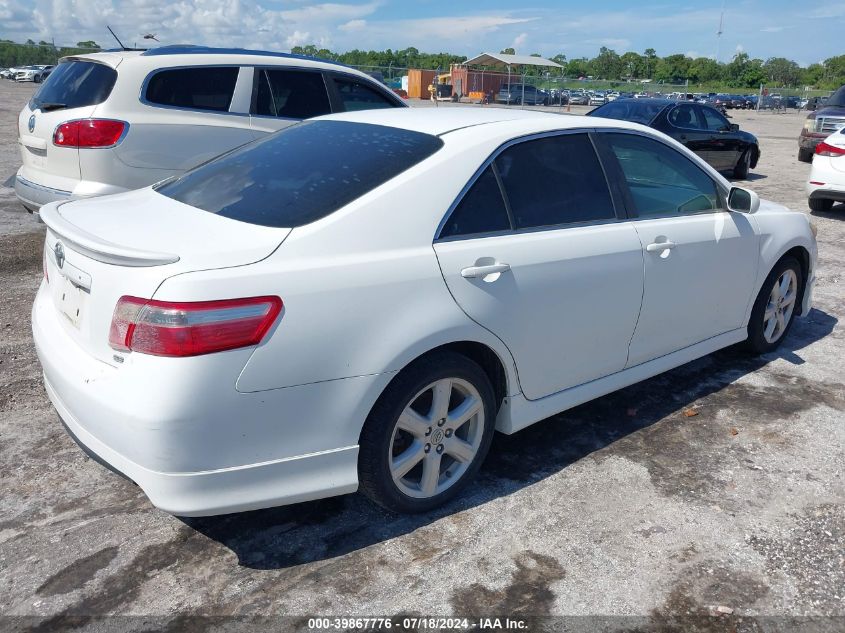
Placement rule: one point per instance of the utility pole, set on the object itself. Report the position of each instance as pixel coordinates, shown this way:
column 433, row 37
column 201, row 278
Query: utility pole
column 719, row 33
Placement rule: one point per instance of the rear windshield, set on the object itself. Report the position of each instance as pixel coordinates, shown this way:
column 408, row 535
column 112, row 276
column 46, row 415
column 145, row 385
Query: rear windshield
column 837, row 99
column 75, row 84
column 638, row 111
column 302, row 173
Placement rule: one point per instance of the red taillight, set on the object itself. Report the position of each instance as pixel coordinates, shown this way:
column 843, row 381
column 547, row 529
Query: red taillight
column 166, row 328
column 89, row 133
column 823, row 149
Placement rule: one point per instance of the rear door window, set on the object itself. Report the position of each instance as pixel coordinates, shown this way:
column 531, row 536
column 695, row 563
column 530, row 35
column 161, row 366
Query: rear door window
column 357, row 95
column 75, row 84
column 481, row 210
column 290, row 94
column 555, row 180
column 684, row 116
column 197, row 88
column 302, row 173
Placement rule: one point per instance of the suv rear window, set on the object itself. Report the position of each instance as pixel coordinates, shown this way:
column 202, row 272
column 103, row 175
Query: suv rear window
column 302, row 173
column 75, row 84
column 197, row 88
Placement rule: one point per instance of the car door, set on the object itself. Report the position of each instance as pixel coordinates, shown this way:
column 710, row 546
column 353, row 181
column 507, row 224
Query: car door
column 284, row 96
column 190, row 116
column 724, row 144
column 536, row 253
column 700, row 259
column 687, row 127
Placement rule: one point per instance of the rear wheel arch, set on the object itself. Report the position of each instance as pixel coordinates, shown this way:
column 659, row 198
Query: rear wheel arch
column 482, row 354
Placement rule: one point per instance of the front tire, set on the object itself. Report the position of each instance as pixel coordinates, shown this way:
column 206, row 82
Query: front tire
column 427, row 435
column 775, row 307
column 820, row 204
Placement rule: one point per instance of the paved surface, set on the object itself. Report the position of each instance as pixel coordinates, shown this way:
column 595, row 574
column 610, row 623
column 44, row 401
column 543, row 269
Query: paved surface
column 624, row 506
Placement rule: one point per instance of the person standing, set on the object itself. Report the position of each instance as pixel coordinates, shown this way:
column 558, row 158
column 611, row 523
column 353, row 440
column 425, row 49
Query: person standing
column 432, row 90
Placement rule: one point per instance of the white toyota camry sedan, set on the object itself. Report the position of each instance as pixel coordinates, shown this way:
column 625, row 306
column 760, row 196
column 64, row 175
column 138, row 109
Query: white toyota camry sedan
column 361, row 300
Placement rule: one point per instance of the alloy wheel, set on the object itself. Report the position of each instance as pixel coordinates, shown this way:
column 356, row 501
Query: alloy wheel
column 780, row 306
column 436, row 437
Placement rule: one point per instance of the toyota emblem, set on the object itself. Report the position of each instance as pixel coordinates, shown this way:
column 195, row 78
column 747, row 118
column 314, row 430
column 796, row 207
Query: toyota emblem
column 59, row 251
column 31, row 125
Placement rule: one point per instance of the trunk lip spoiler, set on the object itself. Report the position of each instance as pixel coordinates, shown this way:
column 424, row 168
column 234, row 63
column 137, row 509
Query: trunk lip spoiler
column 98, row 248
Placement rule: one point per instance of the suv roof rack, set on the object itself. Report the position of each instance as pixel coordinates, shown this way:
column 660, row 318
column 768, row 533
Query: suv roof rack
column 192, row 49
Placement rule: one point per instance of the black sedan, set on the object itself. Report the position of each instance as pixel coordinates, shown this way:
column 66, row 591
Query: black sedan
column 702, row 128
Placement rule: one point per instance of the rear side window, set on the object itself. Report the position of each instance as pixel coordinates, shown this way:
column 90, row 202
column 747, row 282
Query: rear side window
column 197, row 88
column 302, row 173
column 481, row 210
column 75, row 84
column 290, row 94
column 555, row 180
column 356, row 95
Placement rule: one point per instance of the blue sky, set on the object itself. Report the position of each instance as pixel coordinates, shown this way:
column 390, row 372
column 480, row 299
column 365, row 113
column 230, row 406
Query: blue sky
column 804, row 31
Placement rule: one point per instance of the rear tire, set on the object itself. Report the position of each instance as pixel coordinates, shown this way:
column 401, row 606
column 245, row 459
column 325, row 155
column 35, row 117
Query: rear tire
column 775, row 307
column 805, row 155
column 820, row 204
column 427, row 434
column 743, row 166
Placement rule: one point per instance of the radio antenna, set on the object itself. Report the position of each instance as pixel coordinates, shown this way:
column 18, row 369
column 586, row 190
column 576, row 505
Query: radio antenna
column 115, row 37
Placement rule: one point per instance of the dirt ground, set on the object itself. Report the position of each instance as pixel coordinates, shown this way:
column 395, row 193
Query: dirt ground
column 623, row 508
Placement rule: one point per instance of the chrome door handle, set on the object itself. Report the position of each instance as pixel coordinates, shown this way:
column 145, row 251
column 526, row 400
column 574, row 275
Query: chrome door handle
column 660, row 246
column 482, row 271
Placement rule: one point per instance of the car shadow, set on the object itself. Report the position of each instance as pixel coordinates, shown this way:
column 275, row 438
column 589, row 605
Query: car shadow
column 282, row 537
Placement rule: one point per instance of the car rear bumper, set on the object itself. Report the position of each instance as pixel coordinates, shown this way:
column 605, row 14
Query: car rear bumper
column 206, row 453
column 33, row 196
column 33, row 193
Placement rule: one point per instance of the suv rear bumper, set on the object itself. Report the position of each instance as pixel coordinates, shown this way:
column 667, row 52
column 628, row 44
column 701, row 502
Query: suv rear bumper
column 33, row 196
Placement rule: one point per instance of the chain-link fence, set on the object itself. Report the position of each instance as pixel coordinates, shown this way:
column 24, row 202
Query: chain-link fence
column 778, row 100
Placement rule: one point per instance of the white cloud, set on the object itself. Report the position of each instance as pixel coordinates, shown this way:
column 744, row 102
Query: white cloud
column 772, row 29
column 353, row 25
column 519, row 41
column 298, row 38
column 611, row 42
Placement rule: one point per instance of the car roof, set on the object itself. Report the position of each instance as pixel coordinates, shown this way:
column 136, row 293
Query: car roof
column 185, row 55
column 440, row 121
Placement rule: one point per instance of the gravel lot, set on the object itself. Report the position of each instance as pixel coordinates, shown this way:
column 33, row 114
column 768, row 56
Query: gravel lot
column 623, row 507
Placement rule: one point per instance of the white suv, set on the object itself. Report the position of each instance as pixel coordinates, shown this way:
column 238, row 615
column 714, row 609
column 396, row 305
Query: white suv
column 115, row 121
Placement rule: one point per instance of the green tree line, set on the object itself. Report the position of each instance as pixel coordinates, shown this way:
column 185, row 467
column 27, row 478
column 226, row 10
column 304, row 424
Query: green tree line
column 742, row 71
column 30, row 53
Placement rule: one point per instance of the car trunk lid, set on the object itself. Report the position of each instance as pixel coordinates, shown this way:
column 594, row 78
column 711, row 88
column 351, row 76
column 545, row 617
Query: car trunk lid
column 100, row 249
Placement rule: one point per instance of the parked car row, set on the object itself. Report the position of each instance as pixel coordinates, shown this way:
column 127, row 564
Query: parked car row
column 36, row 74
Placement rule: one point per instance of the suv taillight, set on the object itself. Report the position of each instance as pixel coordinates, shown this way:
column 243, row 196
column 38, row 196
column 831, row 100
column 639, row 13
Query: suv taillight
column 166, row 328
column 89, row 133
column 823, row 149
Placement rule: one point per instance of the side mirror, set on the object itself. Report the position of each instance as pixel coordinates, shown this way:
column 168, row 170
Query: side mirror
column 743, row 200
column 734, row 127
